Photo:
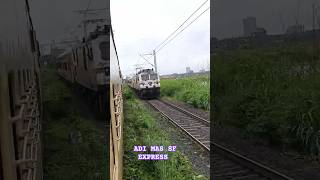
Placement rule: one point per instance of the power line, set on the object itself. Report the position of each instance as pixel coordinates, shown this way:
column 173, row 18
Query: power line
column 182, row 24
column 183, row 29
column 89, row 3
column 146, row 59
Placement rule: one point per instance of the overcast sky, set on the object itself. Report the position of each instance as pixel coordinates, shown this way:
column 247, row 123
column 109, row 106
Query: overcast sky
column 273, row 15
column 55, row 19
column 140, row 25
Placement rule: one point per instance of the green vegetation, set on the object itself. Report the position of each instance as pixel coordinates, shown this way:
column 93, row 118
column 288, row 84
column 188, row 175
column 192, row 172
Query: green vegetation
column 273, row 93
column 62, row 159
column 193, row 90
column 142, row 129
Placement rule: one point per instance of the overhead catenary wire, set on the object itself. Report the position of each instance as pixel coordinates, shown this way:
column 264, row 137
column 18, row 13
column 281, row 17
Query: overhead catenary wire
column 146, row 59
column 89, row 3
column 182, row 23
column 168, row 40
column 182, row 30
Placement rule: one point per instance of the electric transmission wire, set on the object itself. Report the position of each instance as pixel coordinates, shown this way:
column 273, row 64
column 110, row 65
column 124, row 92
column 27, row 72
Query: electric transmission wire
column 182, row 24
column 89, row 3
column 147, row 60
column 182, row 29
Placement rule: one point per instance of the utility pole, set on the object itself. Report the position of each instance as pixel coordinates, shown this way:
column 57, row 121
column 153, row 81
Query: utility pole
column 314, row 30
column 155, row 61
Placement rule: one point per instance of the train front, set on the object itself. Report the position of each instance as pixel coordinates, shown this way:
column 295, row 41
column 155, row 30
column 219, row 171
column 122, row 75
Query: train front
column 149, row 84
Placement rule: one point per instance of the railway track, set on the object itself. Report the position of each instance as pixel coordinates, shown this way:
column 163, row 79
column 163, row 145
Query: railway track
column 196, row 127
column 226, row 164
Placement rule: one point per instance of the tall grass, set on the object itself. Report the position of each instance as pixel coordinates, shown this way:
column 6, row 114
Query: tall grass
column 61, row 158
column 272, row 93
column 142, row 129
column 193, row 90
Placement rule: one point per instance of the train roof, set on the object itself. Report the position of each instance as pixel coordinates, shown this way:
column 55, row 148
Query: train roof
column 99, row 31
column 146, row 71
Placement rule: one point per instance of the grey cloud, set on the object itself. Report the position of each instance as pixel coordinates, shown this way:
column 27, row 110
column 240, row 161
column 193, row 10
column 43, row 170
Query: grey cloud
column 54, row 18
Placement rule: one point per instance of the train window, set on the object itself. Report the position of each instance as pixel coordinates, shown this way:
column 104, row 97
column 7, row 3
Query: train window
column 73, row 56
column 11, row 86
column 153, row 76
column 144, row 77
column 24, row 79
column 20, row 82
column 90, row 53
column 104, row 50
column 84, row 59
column 77, row 56
column 28, row 76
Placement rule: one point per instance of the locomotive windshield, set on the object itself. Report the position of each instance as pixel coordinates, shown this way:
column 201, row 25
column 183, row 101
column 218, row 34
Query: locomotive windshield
column 153, row 76
column 144, row 77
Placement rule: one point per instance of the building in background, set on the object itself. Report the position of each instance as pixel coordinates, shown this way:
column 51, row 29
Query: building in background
column 249, row 26
column 188, row 70
column 297, row 28
column 259, row 32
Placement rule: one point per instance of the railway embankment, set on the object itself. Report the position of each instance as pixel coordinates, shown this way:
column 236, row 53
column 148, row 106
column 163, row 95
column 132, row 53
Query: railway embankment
column 193, row 90
column 266, row 106
column 142, row 128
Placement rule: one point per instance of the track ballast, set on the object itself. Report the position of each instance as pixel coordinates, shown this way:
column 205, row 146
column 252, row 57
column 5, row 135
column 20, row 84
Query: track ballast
column 226, row 163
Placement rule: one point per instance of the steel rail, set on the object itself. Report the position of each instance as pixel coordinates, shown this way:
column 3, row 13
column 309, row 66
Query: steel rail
column 248, row 163
column 182, row 128
column 238, row 159
column 186, row 112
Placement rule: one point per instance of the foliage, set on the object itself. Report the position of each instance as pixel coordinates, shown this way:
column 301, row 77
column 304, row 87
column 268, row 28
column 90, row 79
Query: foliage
column 142, row 129
column 63, row 159
column 193, row 90
column 270, row 92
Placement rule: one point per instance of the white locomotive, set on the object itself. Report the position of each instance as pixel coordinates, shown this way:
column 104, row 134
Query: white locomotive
column 146, row 83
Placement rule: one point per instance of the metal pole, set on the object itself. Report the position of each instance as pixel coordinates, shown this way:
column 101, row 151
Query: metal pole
column 155, row 61
column 314, row 31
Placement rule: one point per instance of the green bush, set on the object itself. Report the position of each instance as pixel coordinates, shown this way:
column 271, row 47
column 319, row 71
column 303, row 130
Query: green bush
column 62, row 159
column 271, row 92
column 192, row 90
column 142, row 129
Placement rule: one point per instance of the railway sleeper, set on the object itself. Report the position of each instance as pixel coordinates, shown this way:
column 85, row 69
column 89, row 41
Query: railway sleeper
column 232, row 172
